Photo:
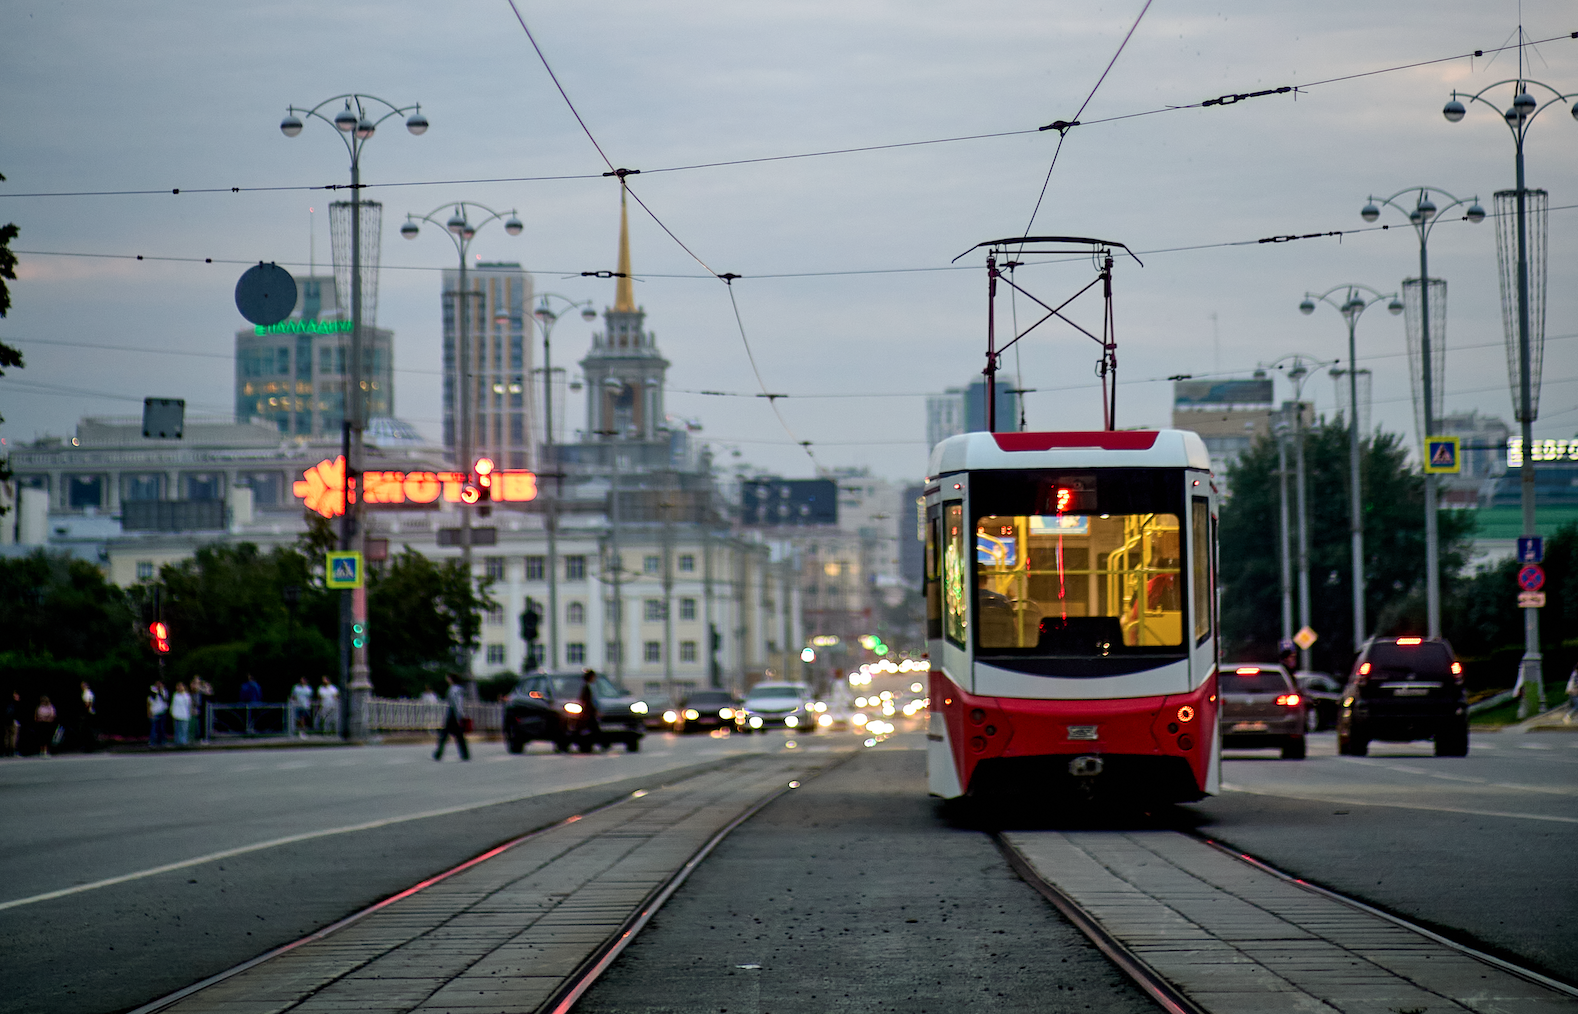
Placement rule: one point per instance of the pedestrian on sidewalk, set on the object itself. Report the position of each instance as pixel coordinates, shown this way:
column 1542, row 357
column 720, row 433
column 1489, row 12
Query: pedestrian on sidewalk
column 1572, row 694
column 44, row 726
column 328, row 707
column 181, row 714
column 89, row 727
column 13, row 725
column 158, row 707
column 252, row 695
column 454, row 720
column 201, row 691
column 301, row 705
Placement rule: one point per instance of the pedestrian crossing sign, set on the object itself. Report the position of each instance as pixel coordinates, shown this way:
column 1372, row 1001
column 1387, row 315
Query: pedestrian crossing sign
column 343, row 570
column 1442, row 456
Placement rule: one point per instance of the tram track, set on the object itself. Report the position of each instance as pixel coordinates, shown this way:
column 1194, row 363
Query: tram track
column 727, row 795
column 1129, row 914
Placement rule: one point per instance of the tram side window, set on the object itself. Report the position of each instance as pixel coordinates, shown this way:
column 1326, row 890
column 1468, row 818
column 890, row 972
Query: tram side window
column 1200, row 525
column 1079, row 583
column 933, row 573
column 955, row 568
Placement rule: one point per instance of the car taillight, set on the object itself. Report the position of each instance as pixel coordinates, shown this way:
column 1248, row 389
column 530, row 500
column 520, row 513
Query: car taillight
column 1457, row 672
column 1410, row 641
column 1288, row 700
column 1362, row 675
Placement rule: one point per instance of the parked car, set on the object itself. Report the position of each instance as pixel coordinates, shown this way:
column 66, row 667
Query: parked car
column 547, row 706
column 702, row 710
column 1402, row 689
column 1322, row 697
column 770, row 704
column 1261, row 707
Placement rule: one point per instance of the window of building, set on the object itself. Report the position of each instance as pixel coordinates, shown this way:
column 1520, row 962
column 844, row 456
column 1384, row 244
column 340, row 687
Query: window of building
column 653, row 651
column 141, row 486
column 575, row 653
column 495, row 654
column 613, row 654
column 687, row 609
column 203, row 485
column 145, row 570
column 652, row 564
column 611, row 610
column 687, row 563
column 687, row 651
column 85, row 491
column 496, row 616
column 652, row 610
column 536, row 567
column 575, row 614
column 575, row 568
column 493, row 568
column 267, row 487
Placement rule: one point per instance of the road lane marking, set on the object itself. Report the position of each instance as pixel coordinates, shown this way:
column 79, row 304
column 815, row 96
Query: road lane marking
column 1549, row 790
column 286, row 840
column 1402, row 806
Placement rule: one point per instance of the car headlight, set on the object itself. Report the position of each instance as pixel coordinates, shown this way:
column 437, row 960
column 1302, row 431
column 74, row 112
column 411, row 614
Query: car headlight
column 792, row 722
column 824, row 720
column 572, row 708
column 857, row 719
column 691, row 714
column 725, row 712
column 756, row 722
column 638, row 708
column 670, row 717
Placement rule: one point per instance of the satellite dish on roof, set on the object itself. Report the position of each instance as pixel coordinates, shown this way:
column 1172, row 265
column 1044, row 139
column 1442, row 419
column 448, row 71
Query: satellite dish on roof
column 266, row 294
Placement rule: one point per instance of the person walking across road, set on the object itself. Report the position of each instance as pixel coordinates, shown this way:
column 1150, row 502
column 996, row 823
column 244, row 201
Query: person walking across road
column 44, row 726
column 588, row 730
column 454, row 720
column 158, row 707
column 181, row 714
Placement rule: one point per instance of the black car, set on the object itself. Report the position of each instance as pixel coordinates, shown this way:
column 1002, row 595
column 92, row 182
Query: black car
column 1402, row 689
column 703, row 710
column 1322, row 698
column 1261, row 707
column 547, row 706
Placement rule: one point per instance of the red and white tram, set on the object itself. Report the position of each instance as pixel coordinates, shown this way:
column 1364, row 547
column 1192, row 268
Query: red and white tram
column 1071, row 616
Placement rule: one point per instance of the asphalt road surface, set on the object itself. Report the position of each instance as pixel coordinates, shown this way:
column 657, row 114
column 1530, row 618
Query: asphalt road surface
column 1483, row 848
column 275, row 844
column 850, row 894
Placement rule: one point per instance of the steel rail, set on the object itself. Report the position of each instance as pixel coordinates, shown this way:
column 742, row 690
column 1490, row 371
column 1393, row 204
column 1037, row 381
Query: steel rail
column 1512, row 968
column 1168, row 996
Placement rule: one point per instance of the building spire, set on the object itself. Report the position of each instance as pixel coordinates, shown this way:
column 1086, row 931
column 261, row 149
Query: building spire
column 624, row 292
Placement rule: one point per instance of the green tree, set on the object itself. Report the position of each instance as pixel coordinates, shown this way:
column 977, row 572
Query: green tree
column 9, row 356
column 1485, row 624
column 422, row 616
column 1393, row 513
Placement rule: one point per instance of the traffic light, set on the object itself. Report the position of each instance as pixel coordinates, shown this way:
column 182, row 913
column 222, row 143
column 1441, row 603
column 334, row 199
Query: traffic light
column 159, row 637
column 531, row 621
column 358, row 635
column 717, row 639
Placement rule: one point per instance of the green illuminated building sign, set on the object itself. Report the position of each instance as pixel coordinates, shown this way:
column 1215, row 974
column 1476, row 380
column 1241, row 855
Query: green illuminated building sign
column 305, row 327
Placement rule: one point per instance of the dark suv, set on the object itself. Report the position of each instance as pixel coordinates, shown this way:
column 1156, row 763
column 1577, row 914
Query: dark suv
column 1402, row 689
column 548, row 706
column 1261, row 707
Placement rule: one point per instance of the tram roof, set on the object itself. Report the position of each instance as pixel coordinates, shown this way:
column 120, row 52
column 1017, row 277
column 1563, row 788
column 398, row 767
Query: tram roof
column 1068, row 449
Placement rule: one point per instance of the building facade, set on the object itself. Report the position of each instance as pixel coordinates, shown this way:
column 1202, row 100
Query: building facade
column 496, row 303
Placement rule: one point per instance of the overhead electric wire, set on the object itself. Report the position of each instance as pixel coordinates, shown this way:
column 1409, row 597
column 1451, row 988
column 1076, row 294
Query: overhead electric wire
column 1222, row 100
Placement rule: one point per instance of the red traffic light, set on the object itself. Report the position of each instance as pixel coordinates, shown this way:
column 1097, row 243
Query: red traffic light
column 160, row 635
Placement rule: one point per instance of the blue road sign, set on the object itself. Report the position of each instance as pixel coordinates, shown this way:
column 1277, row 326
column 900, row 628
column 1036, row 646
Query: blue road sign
column 1531, row 549
column 1442, row 455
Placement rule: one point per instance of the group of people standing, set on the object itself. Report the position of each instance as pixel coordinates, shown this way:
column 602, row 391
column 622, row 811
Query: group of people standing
column 40, row 729
column 170, row 715
column 319, row 712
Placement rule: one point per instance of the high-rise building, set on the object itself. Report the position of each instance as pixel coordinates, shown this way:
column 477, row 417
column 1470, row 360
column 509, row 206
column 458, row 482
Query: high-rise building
column 963, row 410
column 1229, row 415
column 498, row 330
column 293, row 373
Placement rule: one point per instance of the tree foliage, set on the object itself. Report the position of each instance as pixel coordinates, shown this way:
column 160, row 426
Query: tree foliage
column 1392, row 499
column 423, row 615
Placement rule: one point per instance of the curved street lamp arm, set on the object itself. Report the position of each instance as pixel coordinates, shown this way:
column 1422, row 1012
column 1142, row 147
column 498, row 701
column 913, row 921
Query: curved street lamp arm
column 1352, row 288
column 1425, row 226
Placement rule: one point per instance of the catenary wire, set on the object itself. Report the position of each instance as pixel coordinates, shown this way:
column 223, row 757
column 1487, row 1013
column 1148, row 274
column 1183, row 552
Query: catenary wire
column 1222, row 100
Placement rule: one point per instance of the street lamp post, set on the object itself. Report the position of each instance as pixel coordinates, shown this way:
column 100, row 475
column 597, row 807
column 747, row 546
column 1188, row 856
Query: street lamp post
column 545, row 320
column 1423, row 216
column 355, row 123
column 1519, row 117
column 1300, row 369
column 461, row 231
column 1352, row 307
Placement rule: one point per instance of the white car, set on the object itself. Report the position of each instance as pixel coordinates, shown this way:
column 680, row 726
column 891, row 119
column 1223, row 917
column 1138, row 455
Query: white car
column 776, row 704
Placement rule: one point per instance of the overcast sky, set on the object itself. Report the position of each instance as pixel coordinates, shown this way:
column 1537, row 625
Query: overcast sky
column 155, row 95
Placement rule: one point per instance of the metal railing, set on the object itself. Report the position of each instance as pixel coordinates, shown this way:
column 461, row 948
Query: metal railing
column 387, row 714
column 384, row 714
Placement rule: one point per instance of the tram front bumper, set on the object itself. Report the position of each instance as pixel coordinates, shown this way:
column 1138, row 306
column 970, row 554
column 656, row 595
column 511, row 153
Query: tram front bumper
column 1158, row 747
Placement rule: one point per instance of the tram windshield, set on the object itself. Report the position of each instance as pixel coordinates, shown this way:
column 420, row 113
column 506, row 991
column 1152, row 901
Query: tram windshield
column 1086, row 565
